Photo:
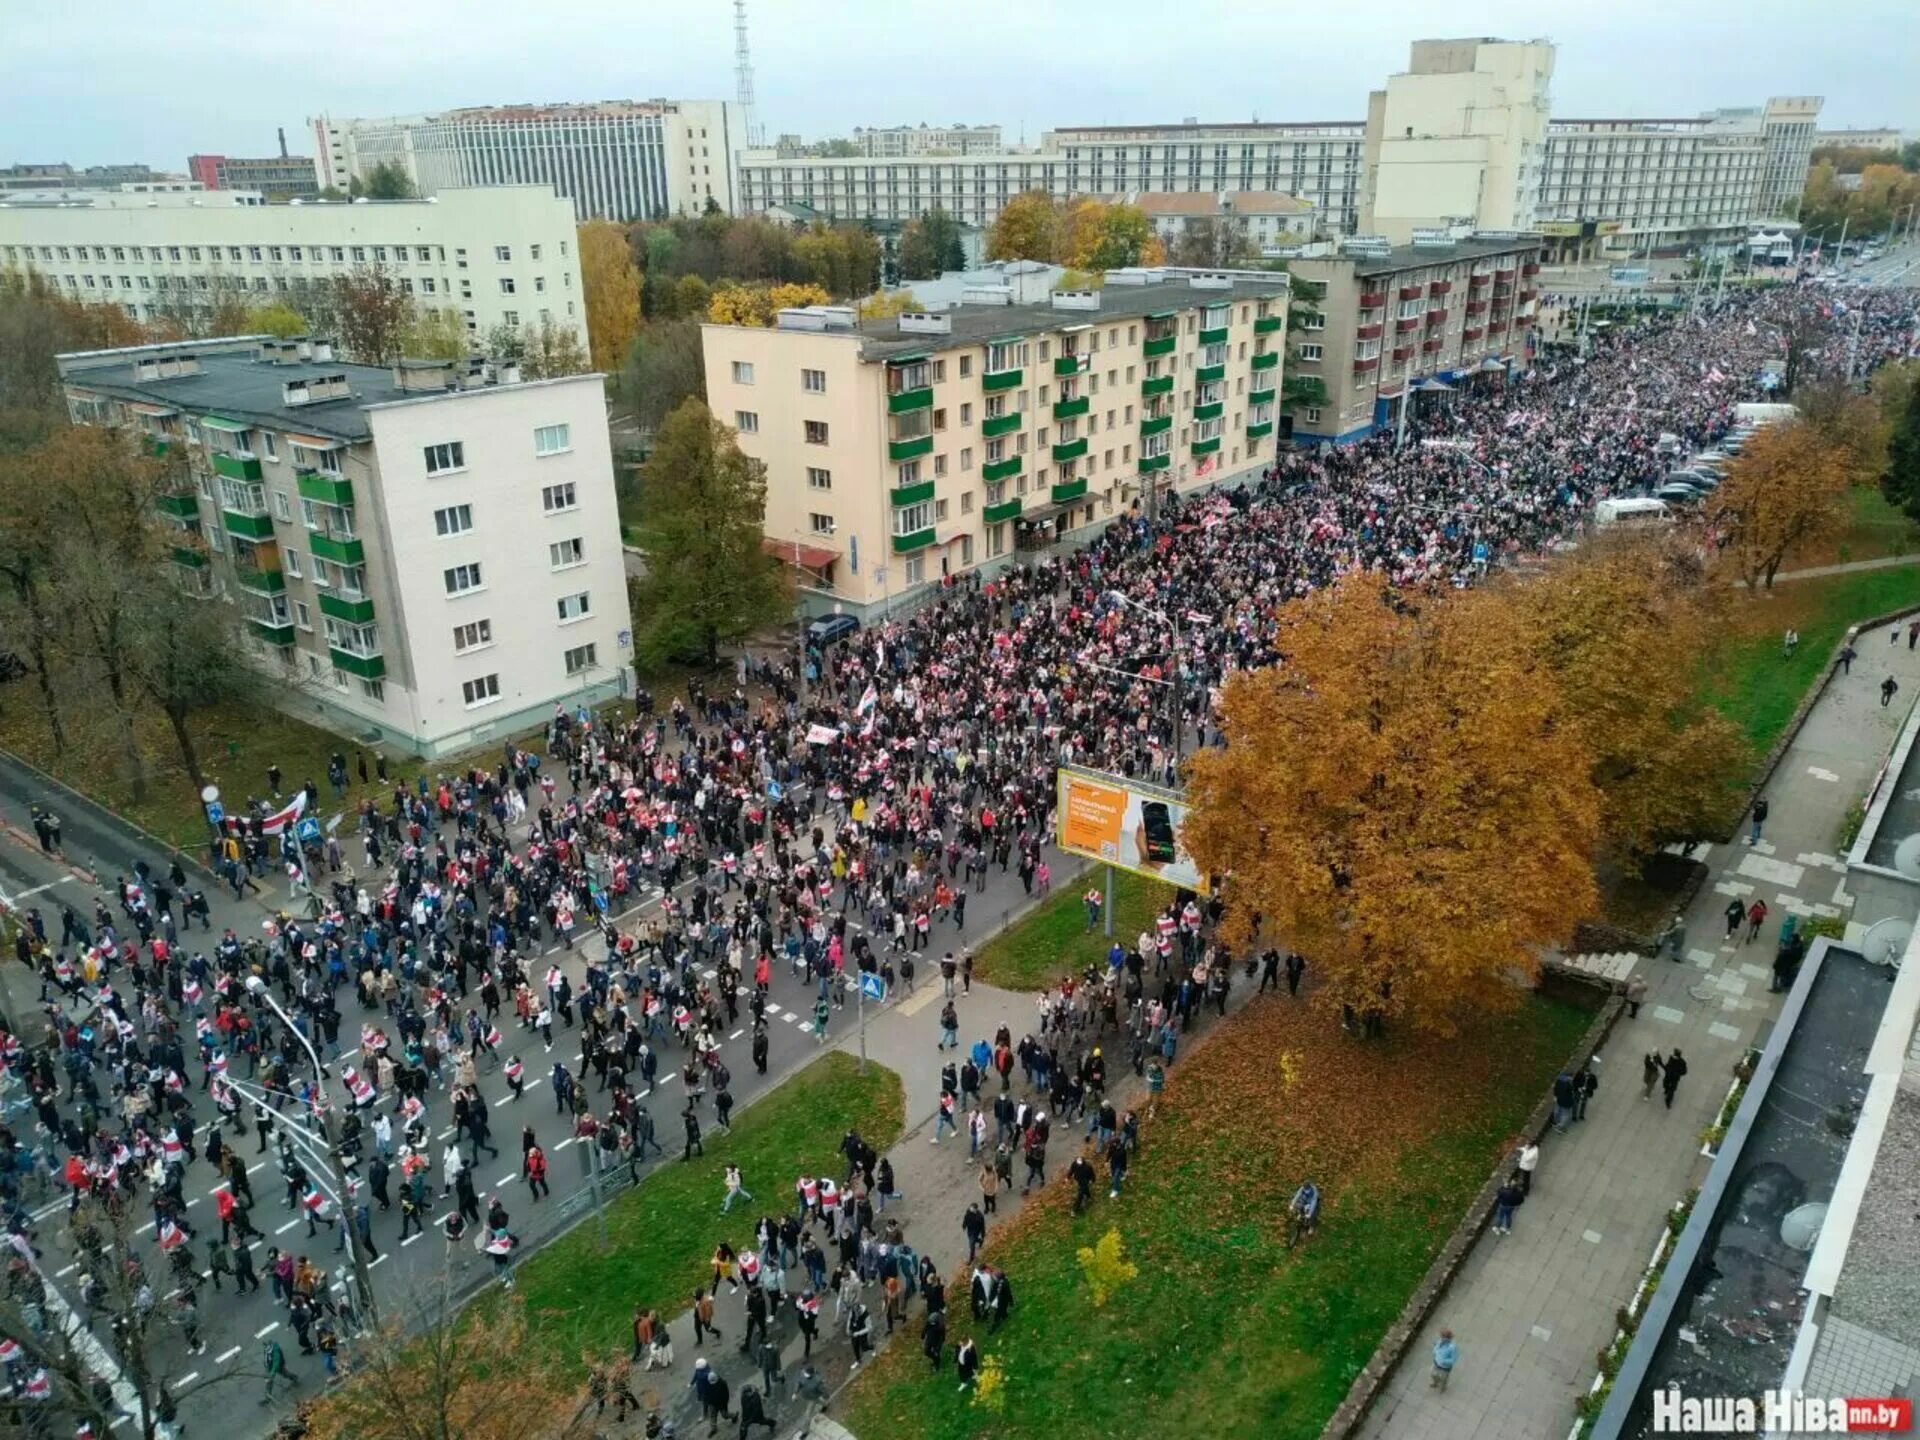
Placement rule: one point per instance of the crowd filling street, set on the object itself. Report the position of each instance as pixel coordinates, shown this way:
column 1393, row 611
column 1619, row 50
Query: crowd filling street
column 603, row 941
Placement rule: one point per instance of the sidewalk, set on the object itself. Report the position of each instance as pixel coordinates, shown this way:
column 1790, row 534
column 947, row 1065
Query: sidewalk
column 1531, row 1310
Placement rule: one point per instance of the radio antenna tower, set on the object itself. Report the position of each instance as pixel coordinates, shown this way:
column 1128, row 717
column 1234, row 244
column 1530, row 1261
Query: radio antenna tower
column 743, row 74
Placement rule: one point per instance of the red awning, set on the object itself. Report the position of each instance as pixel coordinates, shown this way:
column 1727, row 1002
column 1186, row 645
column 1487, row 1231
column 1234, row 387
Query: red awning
column 813, row 557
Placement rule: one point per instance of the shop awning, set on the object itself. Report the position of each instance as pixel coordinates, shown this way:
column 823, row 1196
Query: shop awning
column 141, row 408
column 221, row 422
column 1491, row 364
column 812, row 557
column 1430, row 386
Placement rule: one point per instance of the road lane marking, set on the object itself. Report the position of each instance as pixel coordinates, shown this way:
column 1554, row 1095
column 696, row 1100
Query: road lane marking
column 225, row 1356
column 262, row 1334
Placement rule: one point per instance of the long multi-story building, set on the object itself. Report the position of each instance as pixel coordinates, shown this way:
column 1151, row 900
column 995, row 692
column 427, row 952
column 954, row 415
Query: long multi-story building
column 1881, row 138
column 500, row 256
column 278, row 177
column 428, row 552
column 61, row 176
column 615, row 160
column 925, row 139
column 1384, row 324
column 903, row 452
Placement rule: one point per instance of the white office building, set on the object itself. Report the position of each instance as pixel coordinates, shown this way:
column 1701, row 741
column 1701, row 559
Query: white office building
column 615, row 160
column 499, row 256
column 428, row 554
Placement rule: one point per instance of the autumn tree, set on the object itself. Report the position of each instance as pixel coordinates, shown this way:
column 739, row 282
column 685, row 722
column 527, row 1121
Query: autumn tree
column 1852, row 422
column 888, row 304
column 1622, row 627
column 548, row 350
column 612, row 288
column 187, row 654
column 1785, row 491
column 1123, row 237
column 387, row 180
column 930, row 246
column 664, row 368
column 1028, row 228
column 760, row 305
column 1402, row 799
column 1900, row 404
column 708, row 580
column 373, row 314
column 1211, row 243
column 435, row 332
column 843, row 260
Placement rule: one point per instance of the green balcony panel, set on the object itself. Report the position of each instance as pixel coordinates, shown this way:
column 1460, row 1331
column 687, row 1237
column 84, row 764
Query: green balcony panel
column 153, row 445
column 910, row 400
column 1206, row 447
column 1000, row 379
column 1069, row 364
column 1157, row 385
column 1071, row 450
column 912, row 494
column 1266, row 361
column 1154, row 424
column 1000, row 424
column 236, row 467
column 1067, row 409
column 261, row 582
column 253, row 527
column 1207, row 374
column 272, row 632
column 1208, row 412
column 1072, row 490
column 1214, row 337
column 193, row 559
column 1000, row 469
column 1005, row 510
column 1260, row 431
column 341, row 552
column 910, row 449
column 918, row 540
column 1155, row 462
column 1163, row 346
column 1266, row 324
column 1258, row 397
column 357, row 612
column 184, row 504
column 325, row 489
column 367, row 667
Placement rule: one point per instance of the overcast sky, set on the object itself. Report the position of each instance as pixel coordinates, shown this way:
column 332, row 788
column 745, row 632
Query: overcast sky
column 144, row 80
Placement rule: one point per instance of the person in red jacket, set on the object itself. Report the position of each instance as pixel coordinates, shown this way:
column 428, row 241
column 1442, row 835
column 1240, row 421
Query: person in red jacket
column 534, row 1166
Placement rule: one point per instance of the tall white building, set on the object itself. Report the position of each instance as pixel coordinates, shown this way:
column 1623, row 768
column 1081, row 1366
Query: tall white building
column 504, row 255
column 430, row 553
column 614, row 159
column 1790, row 123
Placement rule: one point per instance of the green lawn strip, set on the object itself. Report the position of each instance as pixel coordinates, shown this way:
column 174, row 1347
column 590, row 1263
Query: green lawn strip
column 1054, row 940
column 1223, row 1331
column 1875, row 529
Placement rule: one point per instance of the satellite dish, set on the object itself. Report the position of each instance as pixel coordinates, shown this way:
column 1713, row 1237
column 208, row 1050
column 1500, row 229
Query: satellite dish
column 1906, row 857
column 1801, row 1227
column 1886, row 941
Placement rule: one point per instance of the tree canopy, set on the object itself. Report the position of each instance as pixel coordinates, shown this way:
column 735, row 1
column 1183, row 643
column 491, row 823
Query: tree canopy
column 1785, row 491
column 930, row 246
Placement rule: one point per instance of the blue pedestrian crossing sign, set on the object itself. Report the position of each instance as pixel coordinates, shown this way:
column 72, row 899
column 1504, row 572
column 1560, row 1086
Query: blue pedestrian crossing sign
column 308, row 829
column 872, row 986
column 775, row 790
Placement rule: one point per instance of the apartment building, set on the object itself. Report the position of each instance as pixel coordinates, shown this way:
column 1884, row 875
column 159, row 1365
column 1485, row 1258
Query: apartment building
column 429, row 553
column 1260, row 218
column 904, row 452
column 61, row 176
column 500, row 256
column 1790, row 123
column 615, row 159
column 1385, row 325
column 924, row 139
column 1881, row 138
column 277, row 177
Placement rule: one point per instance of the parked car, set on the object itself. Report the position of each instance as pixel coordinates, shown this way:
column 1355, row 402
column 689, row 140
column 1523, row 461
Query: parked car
column 1674, row 494
column 830, row 628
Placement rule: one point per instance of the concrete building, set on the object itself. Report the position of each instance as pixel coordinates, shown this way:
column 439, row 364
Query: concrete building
column 500, row 256
column 61, row 176
column 1458, row 138
column 1387, row 323
column 615, row 159
column 430, row 553
column 905, row 452
column 924, row 139
column 277, row 177
column 1790, row 122
column 1884, row 138
column 1261, row 218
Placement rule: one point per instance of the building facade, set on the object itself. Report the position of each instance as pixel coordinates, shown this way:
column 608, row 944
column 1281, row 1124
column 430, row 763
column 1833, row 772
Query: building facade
column 277, row 177
column 615, row 160
column 902, row 453
column 62, row 176
column 1458, row 138
column 1260, row 219
column 429, row 552
column 898, row 140
column 500, row 256
column 1385, row 324
column 1790, row 123
column 1884, row 138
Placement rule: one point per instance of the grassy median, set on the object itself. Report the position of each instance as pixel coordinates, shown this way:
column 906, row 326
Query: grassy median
column 1054, row 939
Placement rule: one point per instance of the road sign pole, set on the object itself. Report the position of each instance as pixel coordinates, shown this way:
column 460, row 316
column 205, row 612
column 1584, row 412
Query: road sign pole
column 1109, row 902
column 860, row 1008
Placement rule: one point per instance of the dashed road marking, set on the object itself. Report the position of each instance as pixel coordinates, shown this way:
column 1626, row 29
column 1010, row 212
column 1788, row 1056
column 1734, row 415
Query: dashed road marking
column 262, row 1334
column 226, row 1355
column 186, row 1380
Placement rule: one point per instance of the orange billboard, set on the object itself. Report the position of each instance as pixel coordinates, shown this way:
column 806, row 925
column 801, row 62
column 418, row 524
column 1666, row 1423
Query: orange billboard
column 1125, row 823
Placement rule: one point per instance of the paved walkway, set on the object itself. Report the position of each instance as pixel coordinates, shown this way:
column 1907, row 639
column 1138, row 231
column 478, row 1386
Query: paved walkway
column 1531, row 1309
column 1885, row 562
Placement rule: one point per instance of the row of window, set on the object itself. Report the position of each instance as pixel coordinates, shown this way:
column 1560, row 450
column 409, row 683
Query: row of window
column 485, row 689
column 465, row 578
column 263, row 254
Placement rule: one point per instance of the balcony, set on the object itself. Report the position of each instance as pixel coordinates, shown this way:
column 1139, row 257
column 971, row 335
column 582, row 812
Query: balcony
column 1071, row 450
column 1000, row 424
column 1363, row 364
column 367, row 667
column 350, row 606
column 1004, row 510
column 1156, row 385
column 1439, row 287
column 1526, row 295
column 1000, row 469
column 1162, row 346
column 1260, row 431
column 1067, row 409
column 1428, row 346
column 264, row 580
column 1407, row 322
column 1154, row 424
column 910, row 449
column 1436, row 316
column 1069, row 364
column 1208, row 412
column 154, row 445
column 1475, row 307
column 1473, row 332
column 274, row 632
column 181, row 504
column 1479, row 278
column 1372, row 299
column 913, row 540
column 903, row 400
column 1206, row 447
column 1266, row 324
column 236, row 466
column 1215, row 336
column 911, row 494
column 325, row 489
column 1401, row 352
column 193, row 559
column 1207, row 374
column 1071, row 490
column 1259, row 397
column 1369, row 332
column 339, row 548
column 1411, row 292
column 1266, row 360
column 247, row 525
column 1001, row 379
column 1155, row 462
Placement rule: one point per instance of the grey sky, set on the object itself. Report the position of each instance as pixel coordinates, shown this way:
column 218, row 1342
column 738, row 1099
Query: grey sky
column 143, row 80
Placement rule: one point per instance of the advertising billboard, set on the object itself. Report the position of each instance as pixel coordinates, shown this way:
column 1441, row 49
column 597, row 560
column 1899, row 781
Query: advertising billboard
column 1125, row 823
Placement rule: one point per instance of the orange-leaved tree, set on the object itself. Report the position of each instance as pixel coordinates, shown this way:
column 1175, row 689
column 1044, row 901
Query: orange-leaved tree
column 1786, row 491
column 1402, row 800
column 612, row 289
column 1028, row 228
column 760, row 304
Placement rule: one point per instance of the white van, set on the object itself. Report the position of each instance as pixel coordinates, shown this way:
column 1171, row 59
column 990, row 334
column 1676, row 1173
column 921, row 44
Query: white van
column 1631, row 512
column 1761, row 413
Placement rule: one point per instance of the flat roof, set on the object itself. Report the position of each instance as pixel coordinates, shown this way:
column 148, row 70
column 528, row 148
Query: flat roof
column 1413, row 257
column 977, row 324
column 237, row 385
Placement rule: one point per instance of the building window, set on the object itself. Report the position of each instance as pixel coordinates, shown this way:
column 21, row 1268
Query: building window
column 302, row 615
column 916, row 569
column 743, row 372
column 282, row 508
column 966, row 366
column 454, row 520
column 267, row 442
column 551, row 439
column 503, row 253
column 819, row 479
column 1312, row 414
column 816, row 432
column 472, row 636
column 533, row 252
column 481, row 691
column 564, row 553
column 290, row 562
column 939, row 465
column 573, row 607
column 462, row 578
column 814, row 382
column 449, row 455
column 820, row 524
column 747, row 422
column 966, row 461
column 582, row 658
column 555, row 498
column 911, row 519
column 375, row 690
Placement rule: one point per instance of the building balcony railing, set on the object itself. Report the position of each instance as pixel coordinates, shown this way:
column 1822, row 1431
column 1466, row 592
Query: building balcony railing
column 913, row 540
column 1266, row 360
column 1215, row 336
column 1432, row 343
column 248, row 526
column 1209, row 412
column 1362, row 364
column 1479, row 278
column 1473, row 332
column 274, row 632
column 1155, row 462
column 367, row 667
column 1004, row 510
column 341, row 549
column 1401, row 352
column 1156, row 385
column 1267, row 324
column 1372, row 299
column 1437, row 316
column 1206, row 447
column 1439, row 287
column 182, row 504
column 236, row 466
column 324, row 489
column 1207, row 374
column 1070, row 449
column 910, row 449
column 1068, row 409
column 1260, row 431
column 1162, row 346
column 1001, row 379
column 1000, row 469
column 1257, row 397
column 1411, row 292
column 1070, row 490
column 911, row 494
column 1000, row 424
column 1407, row 322
column 348, row 605
column 1475, row 307
column 1369, row 332
column 193, row 559
column 1154, row 424
column 904, row 400
column 1069, row 364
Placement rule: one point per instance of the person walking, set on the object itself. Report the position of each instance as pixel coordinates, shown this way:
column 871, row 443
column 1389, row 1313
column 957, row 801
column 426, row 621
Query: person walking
column 736, row 1190
column 1508, row 1198
column 1525, row 1163
column 274, row 1362
column 1446, row 1354
column 1759, row 819
column 1847, row 656
column 1649, row 1073
column 1889, row 687
column 1674, row 1070
column 974, row 1225
column 1736, row 912
column 1756, row 917
column 1636, row 995
column 534, row 1165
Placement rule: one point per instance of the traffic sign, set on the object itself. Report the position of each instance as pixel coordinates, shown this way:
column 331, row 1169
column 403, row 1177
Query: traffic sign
column 216, row 812
column 307, row 829
column 775, row 790
column 872, row 986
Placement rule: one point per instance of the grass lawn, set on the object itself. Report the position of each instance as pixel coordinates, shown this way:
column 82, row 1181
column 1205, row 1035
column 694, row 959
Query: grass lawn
column 1053, row 940
column 1224, row 1331
column 1874, row 529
